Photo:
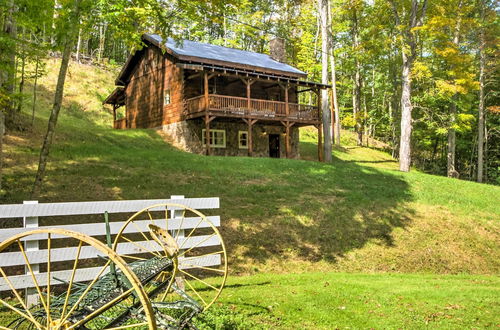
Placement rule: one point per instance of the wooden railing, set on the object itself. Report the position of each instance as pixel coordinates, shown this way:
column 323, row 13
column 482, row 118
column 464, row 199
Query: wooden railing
column 256, row 107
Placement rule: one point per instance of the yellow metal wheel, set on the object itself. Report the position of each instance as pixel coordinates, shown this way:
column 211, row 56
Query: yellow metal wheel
column 61, row 300
column 197, row 252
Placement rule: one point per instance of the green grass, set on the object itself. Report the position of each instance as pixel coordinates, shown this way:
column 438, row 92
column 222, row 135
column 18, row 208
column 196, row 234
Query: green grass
column 362, row 301
column 357, row 214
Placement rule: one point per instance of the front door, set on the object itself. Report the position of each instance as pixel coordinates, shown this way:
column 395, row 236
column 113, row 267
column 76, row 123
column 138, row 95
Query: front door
column 274, row 145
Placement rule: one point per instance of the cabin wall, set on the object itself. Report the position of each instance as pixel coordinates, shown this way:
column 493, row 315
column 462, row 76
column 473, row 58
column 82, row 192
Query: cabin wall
column 144, row 92
column 187, row 135
column 174, row 82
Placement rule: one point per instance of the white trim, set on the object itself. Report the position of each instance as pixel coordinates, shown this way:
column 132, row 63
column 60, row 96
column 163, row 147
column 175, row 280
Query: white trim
column 212, row 132
column 166, row 92
column 240, row 133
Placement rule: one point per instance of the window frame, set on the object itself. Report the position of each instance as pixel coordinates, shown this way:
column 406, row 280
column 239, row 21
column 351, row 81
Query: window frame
column 212, row 137
column 167, row 92
column 240, row 133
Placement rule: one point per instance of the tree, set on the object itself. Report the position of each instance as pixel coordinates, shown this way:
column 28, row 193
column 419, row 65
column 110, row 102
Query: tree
column 327, row 145
column 414, row 17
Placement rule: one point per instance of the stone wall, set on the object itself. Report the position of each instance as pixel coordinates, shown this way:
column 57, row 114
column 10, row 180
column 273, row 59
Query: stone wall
column 186, row 135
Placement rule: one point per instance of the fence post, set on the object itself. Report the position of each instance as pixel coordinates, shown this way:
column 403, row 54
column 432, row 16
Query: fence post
column 179, row 280
column 32, row 245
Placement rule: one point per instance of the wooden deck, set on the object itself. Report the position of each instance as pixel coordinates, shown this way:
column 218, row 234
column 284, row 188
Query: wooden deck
column 242, row 107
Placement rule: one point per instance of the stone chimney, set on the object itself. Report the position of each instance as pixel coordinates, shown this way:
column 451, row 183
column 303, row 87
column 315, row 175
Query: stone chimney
column 277, row 49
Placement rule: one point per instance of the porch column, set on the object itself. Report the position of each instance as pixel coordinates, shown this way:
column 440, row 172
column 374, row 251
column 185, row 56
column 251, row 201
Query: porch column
column 287, row 109
column 288, row 147
column 205, row 80
column 114, row 112
column 250, row 122
column 207, row 132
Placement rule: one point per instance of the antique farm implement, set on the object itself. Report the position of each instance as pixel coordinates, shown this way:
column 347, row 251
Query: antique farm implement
column 153, row 274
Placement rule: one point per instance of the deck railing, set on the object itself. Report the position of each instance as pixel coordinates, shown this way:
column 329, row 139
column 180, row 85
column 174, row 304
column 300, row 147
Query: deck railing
column 256, row 107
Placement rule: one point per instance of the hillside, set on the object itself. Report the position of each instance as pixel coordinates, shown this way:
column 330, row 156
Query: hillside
column 279, row 215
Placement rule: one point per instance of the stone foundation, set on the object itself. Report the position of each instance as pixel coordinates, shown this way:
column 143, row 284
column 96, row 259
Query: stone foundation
column 186, row 135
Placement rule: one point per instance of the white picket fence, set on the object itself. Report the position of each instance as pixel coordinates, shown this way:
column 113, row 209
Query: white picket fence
column 31, row 211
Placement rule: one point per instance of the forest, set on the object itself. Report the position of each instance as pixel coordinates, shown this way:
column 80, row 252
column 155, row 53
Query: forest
column 421, row 76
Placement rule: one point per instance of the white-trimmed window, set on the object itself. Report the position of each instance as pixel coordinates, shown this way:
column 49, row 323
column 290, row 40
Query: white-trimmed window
column 166, row 97
column 243, row 139
column 217, row 138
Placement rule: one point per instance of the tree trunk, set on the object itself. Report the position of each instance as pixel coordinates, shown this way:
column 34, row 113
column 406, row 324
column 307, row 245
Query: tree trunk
column 356, row 106
column 408, row 53
column 327, row 145
column 481, row 119
column 37, row 62
column 21, row 83
column 336, row 113
column 47, row 142
column 9, row 75
column 452, row 139
column 78, row 45
column 102, row 40
column 2, row 132
column 406, row 120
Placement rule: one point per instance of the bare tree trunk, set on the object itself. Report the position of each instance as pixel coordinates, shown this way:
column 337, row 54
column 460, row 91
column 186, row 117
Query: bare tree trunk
column 409, row 53
column 102, row 39
column 78, row 45
column 356, row 106
column 481, row 119
column 35, row 83
column 336, row 114
column 327, row 145
column 406, row 120
column 21, row 83
column 47, row 142
column 452, row 135
column 2, row 132
column 9, row 76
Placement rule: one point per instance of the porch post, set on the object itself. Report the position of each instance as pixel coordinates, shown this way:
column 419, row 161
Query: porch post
column 288, row 146
column 114, row 112
column 207, row 132
column 205, row 80
column 287, row 109
column 250, row 122
column 248, row 93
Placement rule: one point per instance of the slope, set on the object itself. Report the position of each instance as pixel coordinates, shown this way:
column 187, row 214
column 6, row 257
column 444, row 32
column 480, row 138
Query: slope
column 356, row 214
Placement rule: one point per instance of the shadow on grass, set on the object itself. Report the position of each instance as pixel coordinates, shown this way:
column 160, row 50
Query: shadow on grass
column 272, row 209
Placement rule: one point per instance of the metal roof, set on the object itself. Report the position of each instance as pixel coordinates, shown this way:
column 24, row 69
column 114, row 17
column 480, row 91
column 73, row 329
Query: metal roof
column 223, row 54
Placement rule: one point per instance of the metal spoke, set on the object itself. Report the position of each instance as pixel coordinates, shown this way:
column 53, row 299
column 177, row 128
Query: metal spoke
column 180, row 225
column 132, row 257
column 204, row 267
column 141, row 247
column 71, row 279
column 191, row 232
column 18, row 296
column 128, row 326
column 33, row 276
column 207, row 254
column 38, row 325
column 102, row 308
column 197, row 244
column 196, row 292
column 199, row 280
column 139, row 230
column 86, row 291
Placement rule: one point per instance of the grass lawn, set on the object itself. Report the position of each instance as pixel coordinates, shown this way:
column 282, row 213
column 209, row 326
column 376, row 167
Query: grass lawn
column 362, row 301
column 357, row 215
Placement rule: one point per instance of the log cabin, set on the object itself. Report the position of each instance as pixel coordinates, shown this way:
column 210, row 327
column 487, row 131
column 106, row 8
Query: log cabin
column 240, row 102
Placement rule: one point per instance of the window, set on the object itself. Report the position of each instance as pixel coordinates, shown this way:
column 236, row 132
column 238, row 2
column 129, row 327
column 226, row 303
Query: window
column 217, row 138
column 166, row 97
column 243, row 139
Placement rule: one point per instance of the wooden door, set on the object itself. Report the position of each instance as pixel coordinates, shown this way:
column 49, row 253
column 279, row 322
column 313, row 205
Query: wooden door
column 274, row 145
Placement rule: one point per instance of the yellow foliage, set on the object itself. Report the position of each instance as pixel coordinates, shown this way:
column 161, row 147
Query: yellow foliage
column 421, row 71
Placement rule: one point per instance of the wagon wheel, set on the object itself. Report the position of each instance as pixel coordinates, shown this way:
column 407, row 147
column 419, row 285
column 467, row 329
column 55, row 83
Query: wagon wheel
column 198, row 254
column 61, row 300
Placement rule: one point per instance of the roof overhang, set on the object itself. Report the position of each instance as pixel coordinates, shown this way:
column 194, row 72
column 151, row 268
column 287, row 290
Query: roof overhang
column 251, row 74
column 117, row 97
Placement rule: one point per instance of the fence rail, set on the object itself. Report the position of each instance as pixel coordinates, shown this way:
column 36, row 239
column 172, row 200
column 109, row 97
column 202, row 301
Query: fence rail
column 35, row 247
